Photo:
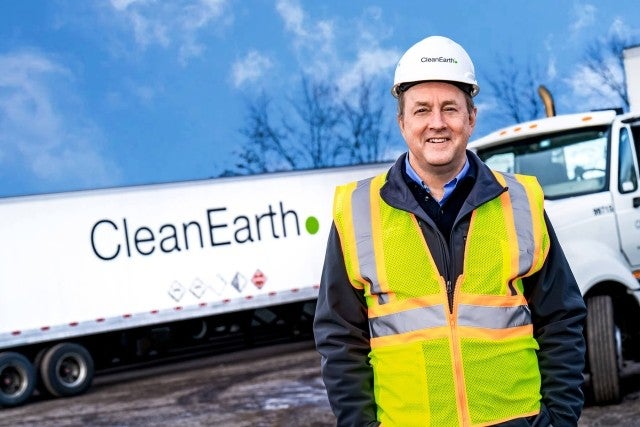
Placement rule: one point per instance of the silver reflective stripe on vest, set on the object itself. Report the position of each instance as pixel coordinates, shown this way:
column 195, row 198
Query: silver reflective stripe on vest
column 361, row 211
column 493, row 317
column 523, row 223
column 421, row 318
column 408, row 321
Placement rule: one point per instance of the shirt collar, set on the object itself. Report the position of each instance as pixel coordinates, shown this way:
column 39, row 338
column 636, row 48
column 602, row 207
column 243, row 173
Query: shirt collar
column 448, row 187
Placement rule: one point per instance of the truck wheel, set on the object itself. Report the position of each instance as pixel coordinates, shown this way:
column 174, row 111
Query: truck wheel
column 603, row 350
column 17, row 379
column 66, row 369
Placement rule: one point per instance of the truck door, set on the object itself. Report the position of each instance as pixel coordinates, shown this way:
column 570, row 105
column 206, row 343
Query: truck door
column 626, row 192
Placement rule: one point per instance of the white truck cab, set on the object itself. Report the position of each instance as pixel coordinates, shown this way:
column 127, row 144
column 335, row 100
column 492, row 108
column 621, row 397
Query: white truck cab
column 588, row 165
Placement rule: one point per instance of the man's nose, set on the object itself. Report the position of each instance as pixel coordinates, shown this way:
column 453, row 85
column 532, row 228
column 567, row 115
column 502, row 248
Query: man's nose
column 437, row 120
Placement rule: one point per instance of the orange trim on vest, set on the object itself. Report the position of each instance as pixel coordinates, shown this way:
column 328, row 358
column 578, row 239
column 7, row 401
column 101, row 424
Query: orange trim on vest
column 491, row 300
column 408, row 304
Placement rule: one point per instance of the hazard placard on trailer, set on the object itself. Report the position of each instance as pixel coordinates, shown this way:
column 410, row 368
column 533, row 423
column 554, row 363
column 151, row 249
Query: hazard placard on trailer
column 259, row 279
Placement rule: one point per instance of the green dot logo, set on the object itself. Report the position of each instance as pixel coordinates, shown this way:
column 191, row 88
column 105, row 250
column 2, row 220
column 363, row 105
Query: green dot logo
column 312, row 225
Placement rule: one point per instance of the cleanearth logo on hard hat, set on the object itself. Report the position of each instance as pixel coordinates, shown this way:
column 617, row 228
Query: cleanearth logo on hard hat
column 438, row 59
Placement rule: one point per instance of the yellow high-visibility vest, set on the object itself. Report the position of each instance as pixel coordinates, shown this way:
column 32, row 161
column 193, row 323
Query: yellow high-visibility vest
column 474, row 364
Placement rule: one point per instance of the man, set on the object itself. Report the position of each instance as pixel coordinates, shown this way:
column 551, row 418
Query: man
column 445, row 297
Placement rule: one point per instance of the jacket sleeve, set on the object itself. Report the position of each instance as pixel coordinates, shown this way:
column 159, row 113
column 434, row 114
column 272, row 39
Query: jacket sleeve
column 558, row 313
column 342, row 338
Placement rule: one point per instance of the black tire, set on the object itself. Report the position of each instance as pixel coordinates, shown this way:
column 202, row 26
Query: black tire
column 66, row 369
column 602, row 350
column 37, row 362
column 17, row 379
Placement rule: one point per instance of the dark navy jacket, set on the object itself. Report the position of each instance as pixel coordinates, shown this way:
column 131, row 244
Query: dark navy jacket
column 558, row 311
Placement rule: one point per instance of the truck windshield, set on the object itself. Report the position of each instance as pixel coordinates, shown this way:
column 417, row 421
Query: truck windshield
column 566, row 164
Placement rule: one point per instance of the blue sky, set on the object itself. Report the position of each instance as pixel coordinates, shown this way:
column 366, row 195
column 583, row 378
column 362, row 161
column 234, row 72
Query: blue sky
column 126, row 92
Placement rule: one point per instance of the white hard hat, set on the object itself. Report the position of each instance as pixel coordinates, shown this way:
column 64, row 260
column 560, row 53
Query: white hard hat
column 435, row 58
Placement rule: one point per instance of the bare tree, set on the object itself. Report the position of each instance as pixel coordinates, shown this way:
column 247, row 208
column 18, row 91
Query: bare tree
column 366, row 131
column 316, row 124
column 267, row 148
column 516, row 88
column 603, row 58
column 316, row 129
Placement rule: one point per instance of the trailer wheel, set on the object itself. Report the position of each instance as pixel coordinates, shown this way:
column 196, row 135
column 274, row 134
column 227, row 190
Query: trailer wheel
column 66, row 369
column 603, row 350
column 17, row 379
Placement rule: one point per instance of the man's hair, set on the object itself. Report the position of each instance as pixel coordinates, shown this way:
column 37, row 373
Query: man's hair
column 467, row 96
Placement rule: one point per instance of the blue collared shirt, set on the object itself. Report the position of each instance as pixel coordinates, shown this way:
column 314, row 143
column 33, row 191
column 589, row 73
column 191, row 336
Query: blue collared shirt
column 448, row 187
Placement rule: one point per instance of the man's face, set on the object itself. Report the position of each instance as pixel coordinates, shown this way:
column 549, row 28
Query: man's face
column 436, row 126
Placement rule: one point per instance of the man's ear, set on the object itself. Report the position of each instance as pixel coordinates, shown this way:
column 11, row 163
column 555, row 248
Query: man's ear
column 399, row 119
column 473, row 117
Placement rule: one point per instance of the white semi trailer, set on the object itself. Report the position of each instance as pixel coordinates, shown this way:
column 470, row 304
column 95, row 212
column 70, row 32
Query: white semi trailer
column 99, row 279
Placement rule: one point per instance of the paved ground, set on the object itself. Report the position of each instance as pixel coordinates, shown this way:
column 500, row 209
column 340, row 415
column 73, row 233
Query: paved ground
column 268, row 387
column 627, row 413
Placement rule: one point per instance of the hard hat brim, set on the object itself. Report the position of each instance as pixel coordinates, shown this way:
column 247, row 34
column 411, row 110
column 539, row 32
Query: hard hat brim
column 470, row 89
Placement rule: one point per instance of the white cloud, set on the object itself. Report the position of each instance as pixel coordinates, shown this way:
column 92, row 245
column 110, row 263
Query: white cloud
column 123, row 4
column 552, row 68
column 342, row 52
column 371, row 28
column 588, row 88
column 250, row 68
column 293, row 16
column 584, row 16
column 371, row 60
column 369, row 63
column 38, row 138
column 551, row 65
column 172, row 23
column 313, row 41
column 620, row 29
column 588, row 91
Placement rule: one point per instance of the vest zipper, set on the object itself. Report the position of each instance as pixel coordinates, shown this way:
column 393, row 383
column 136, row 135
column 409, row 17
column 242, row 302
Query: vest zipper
column 446, row 261
column 447, row 269
column 446, row 257
column 450, row 288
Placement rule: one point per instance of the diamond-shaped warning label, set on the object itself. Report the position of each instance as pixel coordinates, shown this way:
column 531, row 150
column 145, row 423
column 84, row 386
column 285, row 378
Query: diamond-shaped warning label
column 239, row 282
column 218, row 285
column 197, row 288
column 176, row 291
column 258, row 279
